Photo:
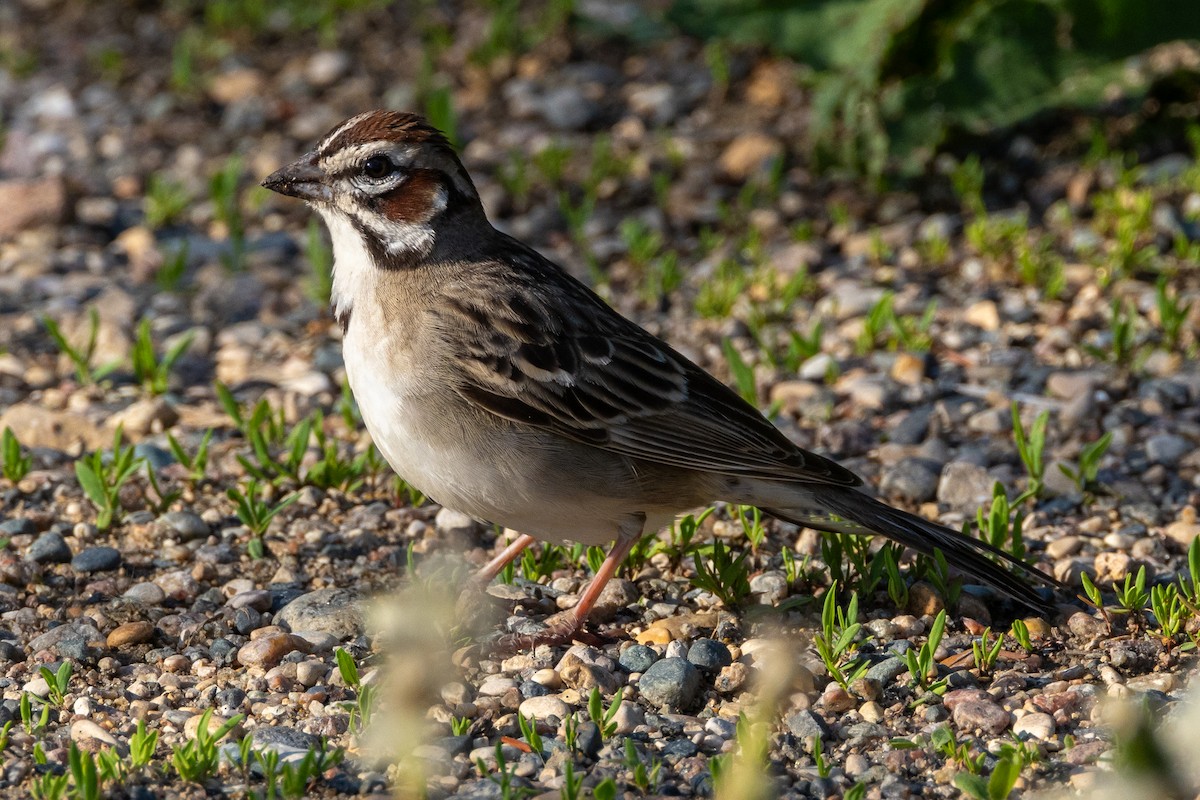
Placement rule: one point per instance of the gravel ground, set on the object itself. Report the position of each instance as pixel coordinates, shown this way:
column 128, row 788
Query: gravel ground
column 637, row 170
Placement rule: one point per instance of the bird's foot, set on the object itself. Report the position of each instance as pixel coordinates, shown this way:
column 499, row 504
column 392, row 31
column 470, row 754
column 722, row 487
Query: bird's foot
column 560, row 629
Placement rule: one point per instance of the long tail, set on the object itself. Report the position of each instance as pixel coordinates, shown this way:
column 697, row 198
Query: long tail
column 867, row 515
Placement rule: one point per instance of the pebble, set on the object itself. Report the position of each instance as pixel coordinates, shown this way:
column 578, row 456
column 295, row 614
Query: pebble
column 192, row 726
column 886, row 671
column 184, row 525
column 1167, row 449
column 805, row 724
column 90, row 737
column 96, row 559
column 455, row 524
column 628, row 718
column 708, row 654
column 980, row 715
column 637, row 657
column 914, row 480
column 1037, row 725
column 670, row 683
column 337, row 612
column 266, row 651
column 145, row 594
column 965, row 486
column 544, row 707
column 49, row 548
column 130, row 633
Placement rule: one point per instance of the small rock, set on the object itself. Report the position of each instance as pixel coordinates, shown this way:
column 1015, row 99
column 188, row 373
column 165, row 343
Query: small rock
column 337, row 612
column 748, row 154
column 1166, row 449
column 455, row 524
column 96, row 559
column 267, row 651
column 965, row 486
column 1035, row 725
column 805, row 724
column 924, row 600
column 143, row 417
column 627, row 718
column 616, row 595
column 544, row 707
column 326, row 67
column 1185, row 529
column 983, row 315
column 670, row 683
column 638, row 658
column 310, row 673
column 836, row 700
column 709, row 654
column 215, row 722
column 886, row 671
column 90, row 737
column 145, row 594
column 130, row 633
column 49, row 548
column 1085, row 626
column 184, row 525
column 731, row 678
column 914, row 480
column 980, row 715
column 30, row 204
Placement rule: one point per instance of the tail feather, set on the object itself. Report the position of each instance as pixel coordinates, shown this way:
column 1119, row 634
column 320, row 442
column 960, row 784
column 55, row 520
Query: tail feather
column 969, row 555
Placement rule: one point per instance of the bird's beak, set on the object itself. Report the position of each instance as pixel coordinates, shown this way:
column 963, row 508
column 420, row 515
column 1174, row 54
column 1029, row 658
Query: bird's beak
column 302, row 178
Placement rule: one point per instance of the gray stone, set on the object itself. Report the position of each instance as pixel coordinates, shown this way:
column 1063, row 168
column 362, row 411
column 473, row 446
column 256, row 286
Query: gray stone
column 1166, row 449
column 334, row 611
column 97, row 559
column 184, row 525
column 49, row 548
column 912, row 479
column 73, row 637
column 709, row 654
column 965, row 486
column 291, row 744
column 887, row 671
column 805, row 724
column 455, row 523
column 145, row 594
column 638, row 658
column 17, row 527
column 670, row 683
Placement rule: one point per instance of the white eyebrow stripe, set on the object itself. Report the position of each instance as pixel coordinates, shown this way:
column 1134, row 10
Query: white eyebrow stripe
column 348, row 156
column 345, row 126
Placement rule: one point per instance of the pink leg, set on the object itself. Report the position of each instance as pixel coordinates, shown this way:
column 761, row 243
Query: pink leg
column 493, row 567
column 563, row 627
column 587, row 600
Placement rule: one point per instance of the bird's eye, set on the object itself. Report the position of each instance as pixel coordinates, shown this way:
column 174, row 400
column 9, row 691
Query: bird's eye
column 378, row 167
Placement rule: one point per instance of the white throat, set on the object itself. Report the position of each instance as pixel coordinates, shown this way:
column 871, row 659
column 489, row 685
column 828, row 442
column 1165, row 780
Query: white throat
column 355, row 274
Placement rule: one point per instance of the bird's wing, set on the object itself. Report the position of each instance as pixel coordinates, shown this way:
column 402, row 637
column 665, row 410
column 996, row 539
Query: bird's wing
column 557, row 358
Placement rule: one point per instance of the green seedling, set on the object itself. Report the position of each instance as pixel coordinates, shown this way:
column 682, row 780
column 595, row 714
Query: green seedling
column 255, row 513
column 165, row 201
column 81, row 358
column 58, row 680
column 946, row 745
column 223, row 191
column 148, row 370
column 897, row 588
column 645, row 777
column 196, row 760
column 985, row 652
column 601, row 716
column 363, row 707
column 15, row 465
column 196, row 465
column 49, row 786
column 1084, row 476
column 1172, row 315
column 723, row 575
column 1169, row 610
column 836, row 641
column 539, row 566
column 32, row 724
column 1031, row 447
column 170, row 275
column 921, row 664
column 1002, row 526
column 320, row 265
column 460, row 725
column 529, row 731
column 84, row 774
column 503, row 776
column 572, row 786
column 1132, row 596
column 752, row 525
column 101, row 479
column 999, row 784
column 1020, row 632
column 1122, row 346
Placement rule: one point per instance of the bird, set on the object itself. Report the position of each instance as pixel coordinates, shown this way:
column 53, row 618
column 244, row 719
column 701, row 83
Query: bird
column 501, row 386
